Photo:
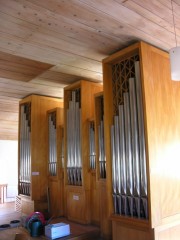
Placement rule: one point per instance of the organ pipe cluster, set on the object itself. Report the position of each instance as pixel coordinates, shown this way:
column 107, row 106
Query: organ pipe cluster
column 74, row 159
column 25, row 149
column 102, row 158
column 129, row 177
column 52, row 144
column 92, row 153
column 100, row 134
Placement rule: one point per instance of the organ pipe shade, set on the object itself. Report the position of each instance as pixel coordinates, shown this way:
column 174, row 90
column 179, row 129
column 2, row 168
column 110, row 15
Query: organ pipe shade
column 175, row 63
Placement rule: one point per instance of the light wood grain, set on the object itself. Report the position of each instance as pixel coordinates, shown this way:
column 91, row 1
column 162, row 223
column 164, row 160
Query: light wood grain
column 160, row 101
column 74, row 36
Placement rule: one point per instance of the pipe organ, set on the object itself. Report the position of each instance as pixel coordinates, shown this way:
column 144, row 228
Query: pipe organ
column 25, row 150
column 92, row 152
column 33, row 151
column 102, row 158
column 141, row 125
column 74, row 158
column 78, row 109
column 122, row 166
column 99, row 129
column 52, row 144
column 129, row 177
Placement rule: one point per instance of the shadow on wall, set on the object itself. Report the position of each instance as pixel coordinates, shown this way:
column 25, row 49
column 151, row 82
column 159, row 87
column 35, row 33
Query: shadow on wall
column 9, row 167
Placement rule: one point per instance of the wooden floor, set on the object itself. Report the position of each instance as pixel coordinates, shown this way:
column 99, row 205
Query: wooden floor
column 8, row 213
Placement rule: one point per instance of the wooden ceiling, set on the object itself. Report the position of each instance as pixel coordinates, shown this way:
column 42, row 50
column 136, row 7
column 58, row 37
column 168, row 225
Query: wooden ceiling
column 48, row 44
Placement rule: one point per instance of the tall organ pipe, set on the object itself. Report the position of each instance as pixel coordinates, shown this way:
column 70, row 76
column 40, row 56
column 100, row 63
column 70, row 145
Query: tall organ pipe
column 25, row 153
column 21, row 149
column 52, row 145
column 114, row 176
column 29, row 156
column 74, row 162
column 135, row 139
column 128, row 144
column 102, row 159
column 142, row 148
column 117, row 154
column 113, row 160
column 92, row 156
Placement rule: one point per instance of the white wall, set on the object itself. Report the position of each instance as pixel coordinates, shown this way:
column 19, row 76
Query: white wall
column 9, row 167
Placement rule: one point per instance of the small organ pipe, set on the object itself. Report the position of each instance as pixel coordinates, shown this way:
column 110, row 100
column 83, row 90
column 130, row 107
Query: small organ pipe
column 122, row 149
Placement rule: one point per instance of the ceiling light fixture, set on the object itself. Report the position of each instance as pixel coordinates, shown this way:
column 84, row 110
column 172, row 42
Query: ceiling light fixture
column 175, row 55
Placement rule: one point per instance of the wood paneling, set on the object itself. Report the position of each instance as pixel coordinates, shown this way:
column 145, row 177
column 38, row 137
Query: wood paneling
column 94, row 199
column 78, row 204
column 74, row 36
column 56, row 183
column 163, row 133
column 19, row 68
column 121, row 232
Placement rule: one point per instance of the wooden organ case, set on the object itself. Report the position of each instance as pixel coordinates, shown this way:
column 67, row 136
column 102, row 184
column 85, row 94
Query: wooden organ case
column 33, row 152
column 105, row 225
column 56, row 161
column 78, row 109
column 142, row 135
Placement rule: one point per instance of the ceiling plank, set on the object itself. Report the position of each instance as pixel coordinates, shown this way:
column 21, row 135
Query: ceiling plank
column 4, row 107
column 110, row 17
column 19, row 68
column 8, row 117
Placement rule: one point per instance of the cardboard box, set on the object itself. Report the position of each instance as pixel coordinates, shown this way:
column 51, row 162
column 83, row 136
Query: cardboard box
column 57, row 230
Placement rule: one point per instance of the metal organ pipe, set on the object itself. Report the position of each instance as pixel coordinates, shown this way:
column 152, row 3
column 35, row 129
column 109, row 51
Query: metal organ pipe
column 122, row 150
column 52, row 145
column 92, row 155
column 135, row 139
column 141, row 132
column 129, row 179
column 142, row 148
column 114, row 188
column 128, row 144
column 102, row 159
column 25, row 149
column 74, row 161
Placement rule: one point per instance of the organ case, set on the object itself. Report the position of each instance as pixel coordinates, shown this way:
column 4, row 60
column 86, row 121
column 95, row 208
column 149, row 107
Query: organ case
column 141, row 134
column 78, row 109
column 33, row 151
